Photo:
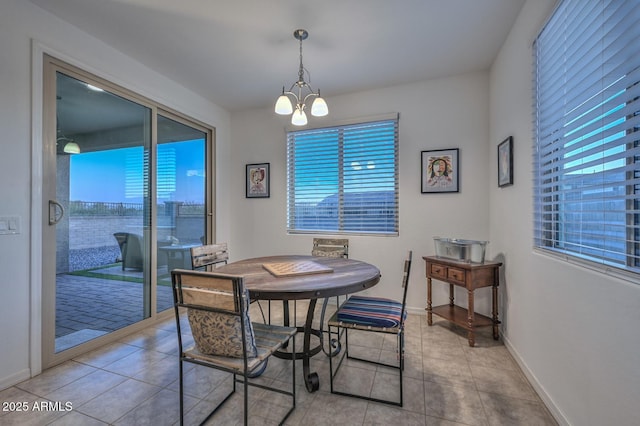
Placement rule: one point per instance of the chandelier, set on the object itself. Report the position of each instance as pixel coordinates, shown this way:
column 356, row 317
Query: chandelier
column 284, row 105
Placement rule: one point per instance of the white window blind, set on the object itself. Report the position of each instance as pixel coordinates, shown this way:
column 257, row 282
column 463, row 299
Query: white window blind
column 587, row 138
column 344, row 179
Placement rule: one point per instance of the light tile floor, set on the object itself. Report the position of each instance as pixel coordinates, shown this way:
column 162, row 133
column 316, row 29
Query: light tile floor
column 135, row 382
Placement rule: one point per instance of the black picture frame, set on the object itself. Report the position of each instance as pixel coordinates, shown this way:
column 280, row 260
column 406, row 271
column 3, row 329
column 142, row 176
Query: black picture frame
column 440, row 171
column 505, row 162
column 258, row 180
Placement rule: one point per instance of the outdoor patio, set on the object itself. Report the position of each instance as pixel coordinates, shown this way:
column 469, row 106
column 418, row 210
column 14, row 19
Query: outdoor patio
column 93, row 302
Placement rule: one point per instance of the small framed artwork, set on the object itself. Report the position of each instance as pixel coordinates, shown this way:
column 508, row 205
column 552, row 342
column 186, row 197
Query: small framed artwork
column 505, row 162
column 440, row 171
column 257, row 180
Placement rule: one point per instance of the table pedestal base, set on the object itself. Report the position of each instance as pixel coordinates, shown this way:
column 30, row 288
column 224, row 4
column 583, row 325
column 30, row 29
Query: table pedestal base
column 311, row 380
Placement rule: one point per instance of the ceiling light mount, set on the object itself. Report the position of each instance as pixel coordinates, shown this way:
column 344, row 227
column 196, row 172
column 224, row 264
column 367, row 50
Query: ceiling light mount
column 301, row 34
column 284, row 106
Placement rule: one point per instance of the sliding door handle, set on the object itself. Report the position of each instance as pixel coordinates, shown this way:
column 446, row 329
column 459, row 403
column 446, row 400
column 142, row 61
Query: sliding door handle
column 56, row 212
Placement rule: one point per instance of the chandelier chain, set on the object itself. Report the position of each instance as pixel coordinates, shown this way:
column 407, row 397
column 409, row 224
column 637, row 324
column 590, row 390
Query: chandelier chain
column 301, row 70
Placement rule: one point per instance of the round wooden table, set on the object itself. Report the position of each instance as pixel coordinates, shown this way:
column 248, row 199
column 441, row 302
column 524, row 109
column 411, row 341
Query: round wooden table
column 310, row 278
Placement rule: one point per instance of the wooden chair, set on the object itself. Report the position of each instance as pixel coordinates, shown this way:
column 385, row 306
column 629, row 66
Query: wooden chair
column 224, row 337
column 371, row 315
column 207, row 256
column 330, row 247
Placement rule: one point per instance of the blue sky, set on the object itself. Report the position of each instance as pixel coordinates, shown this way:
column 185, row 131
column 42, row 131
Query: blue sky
column 116, row 175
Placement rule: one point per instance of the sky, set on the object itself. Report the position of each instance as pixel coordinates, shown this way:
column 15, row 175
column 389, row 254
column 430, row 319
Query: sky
column 115, row 176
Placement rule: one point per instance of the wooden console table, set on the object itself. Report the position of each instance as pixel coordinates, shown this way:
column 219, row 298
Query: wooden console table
column 470, row 276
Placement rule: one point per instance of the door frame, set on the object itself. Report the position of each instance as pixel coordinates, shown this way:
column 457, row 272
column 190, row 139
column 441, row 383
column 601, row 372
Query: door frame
column 42, row 118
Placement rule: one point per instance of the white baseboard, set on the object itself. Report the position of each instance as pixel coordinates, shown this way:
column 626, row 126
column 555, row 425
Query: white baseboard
column 546, row 399
column 20, row 376
column 416, row 310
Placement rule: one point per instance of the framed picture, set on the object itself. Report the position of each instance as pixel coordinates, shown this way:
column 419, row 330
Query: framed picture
column 505, row 162
column 440, row 171
column 258, row 180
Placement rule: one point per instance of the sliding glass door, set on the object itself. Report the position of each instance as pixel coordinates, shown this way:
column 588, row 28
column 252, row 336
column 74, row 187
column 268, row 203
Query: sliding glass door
column 180, row 198
column 125, row 187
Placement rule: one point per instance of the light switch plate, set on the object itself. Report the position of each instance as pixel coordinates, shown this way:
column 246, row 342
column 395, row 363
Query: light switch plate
column 9, row 225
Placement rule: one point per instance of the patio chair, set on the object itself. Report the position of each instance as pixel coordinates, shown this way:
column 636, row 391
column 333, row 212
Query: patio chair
column 130, row 250
column 371, row 315
column 224, row 336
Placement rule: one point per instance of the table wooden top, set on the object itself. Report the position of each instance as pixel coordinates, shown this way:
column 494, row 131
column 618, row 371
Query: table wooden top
column 347, row 276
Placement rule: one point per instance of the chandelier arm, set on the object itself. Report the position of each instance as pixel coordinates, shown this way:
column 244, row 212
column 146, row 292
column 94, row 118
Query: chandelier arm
column 292, row 86
column 300, row 104
column 308, row 96
column 291, row 93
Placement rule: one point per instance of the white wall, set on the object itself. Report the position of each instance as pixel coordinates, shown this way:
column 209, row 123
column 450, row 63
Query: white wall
column 445, row 113
column 20, row 23
column 574, row 331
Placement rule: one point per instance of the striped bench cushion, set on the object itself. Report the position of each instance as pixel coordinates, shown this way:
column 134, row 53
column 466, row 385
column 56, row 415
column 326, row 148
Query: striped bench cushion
column 371, row 311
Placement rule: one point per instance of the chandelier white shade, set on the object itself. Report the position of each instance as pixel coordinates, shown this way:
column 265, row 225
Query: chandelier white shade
column 299, row 118
column 284, row 104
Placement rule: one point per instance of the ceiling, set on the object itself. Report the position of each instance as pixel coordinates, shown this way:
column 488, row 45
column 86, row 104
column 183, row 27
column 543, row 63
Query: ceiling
column 239, row 53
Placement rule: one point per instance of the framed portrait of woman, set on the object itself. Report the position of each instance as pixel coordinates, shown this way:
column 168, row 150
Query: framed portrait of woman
column 440, row 171
column 258, row 180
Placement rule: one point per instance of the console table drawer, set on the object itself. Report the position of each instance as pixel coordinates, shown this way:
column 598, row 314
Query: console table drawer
column 447, row 273
column 455, row 274
column 438, row 271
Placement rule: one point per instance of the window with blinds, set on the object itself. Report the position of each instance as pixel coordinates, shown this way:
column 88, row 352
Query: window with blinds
column 587, row 118
column 344, row 179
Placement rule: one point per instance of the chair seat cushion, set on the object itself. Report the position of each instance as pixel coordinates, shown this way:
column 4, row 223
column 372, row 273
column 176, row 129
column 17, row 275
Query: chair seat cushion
column 371, row 311
column 218, row 333
column 268, row 339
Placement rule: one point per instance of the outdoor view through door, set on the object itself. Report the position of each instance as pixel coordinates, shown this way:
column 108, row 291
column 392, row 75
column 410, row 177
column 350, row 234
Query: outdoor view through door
column 115, row 222
column 180, row 195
